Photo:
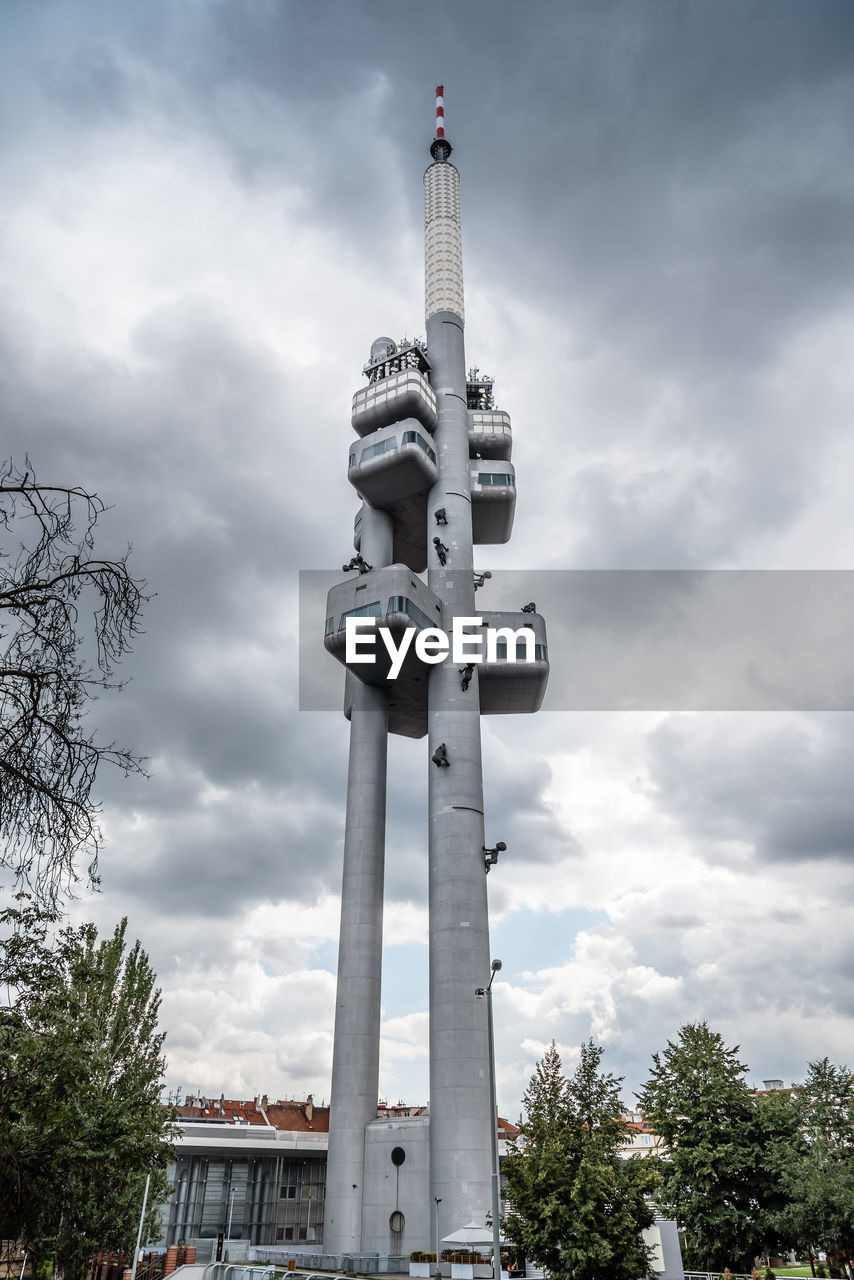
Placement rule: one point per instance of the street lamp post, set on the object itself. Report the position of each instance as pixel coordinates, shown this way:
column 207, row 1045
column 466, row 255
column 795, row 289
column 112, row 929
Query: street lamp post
column 493, row 1128
column 437, row 1200
column 138, row 1234
column 228, row 1228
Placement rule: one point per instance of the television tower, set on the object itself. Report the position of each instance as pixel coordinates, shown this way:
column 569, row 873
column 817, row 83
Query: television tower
column 432, row 468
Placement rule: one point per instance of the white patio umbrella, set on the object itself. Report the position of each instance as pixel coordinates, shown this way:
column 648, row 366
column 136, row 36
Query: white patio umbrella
column 472, row 1233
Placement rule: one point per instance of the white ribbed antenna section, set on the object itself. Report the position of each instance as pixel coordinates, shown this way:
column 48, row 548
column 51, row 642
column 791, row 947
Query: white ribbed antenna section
column 443, row 242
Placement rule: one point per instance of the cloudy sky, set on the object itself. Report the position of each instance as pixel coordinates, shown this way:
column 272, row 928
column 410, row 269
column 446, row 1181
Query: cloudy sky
column 210, row 209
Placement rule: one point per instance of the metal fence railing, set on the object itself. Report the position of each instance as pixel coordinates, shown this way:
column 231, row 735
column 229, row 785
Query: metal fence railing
column 237, row 1271
column 351, row 1264
column 714, row 1275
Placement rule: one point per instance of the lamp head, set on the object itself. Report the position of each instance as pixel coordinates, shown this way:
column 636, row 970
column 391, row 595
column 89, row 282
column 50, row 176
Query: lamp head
column 496, row 965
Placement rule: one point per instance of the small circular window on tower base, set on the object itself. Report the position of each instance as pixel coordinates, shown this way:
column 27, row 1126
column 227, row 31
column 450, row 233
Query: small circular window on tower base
column 398, row 1155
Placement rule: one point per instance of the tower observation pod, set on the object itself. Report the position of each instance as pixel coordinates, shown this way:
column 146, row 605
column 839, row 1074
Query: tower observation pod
column 431, row 465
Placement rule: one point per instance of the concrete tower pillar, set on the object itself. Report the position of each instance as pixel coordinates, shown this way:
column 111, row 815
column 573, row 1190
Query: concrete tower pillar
column 355, row 1060
column 459, row 933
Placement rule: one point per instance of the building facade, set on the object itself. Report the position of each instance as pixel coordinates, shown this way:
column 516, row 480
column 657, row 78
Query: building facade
column 252, row 1174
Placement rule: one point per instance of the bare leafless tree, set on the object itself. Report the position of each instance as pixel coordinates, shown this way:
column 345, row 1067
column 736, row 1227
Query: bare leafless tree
column 66, row 617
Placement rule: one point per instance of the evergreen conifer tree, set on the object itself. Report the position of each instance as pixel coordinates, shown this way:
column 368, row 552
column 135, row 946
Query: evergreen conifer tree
column 699, row 1105
column 80, row 1078
column 577, row 1206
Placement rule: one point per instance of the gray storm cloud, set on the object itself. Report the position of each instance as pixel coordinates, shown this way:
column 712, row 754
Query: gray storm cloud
column 211, row 212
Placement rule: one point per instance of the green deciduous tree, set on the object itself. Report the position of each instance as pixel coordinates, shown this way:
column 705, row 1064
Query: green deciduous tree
column 716, row 1170
column 577, row 1206
column 817, row 1177
column 66, row 617
column 80, row 1078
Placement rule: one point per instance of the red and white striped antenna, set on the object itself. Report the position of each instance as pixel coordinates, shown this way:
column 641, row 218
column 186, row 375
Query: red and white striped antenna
column 440, row 147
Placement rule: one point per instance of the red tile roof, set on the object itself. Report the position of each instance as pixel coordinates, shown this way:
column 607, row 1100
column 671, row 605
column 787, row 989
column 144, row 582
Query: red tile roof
column 293, row 1116
column 228, row 1110
column 303, row 1117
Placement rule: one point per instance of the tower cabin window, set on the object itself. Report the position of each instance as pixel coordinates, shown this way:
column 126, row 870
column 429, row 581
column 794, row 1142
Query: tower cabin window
column 400, row 604
column 541, row 652
column 372, row 610
column 412, row 437
column 374, row 450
